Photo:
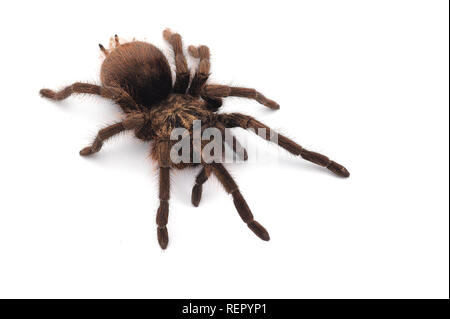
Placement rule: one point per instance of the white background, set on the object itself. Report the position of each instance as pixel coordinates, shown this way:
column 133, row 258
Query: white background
column 365, row 82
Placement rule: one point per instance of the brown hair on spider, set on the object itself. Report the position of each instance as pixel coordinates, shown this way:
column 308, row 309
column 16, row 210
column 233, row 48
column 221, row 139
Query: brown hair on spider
column 137, row 77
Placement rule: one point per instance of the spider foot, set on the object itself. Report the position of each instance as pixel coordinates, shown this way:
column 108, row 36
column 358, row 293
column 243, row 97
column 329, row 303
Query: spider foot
column 267, row 102
column 49, row 94
column 338, row 169
column 196, row 194
column 193, row 51
column 259, row 230
column 163, row 237
column 89, row 150
column 324, row 161
column 200, row 52
column 116, row 41
column 102, row 48
column 172, row 38
column 167, row 33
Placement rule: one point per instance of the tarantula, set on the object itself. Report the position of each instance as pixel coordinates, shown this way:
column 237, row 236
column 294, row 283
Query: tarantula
column 137, row 76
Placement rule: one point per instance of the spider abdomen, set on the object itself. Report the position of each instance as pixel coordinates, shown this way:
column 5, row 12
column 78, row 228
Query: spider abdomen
column 141, row 70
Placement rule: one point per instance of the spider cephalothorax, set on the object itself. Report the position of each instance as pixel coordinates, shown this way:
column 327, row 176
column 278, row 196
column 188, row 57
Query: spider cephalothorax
column 137, row 76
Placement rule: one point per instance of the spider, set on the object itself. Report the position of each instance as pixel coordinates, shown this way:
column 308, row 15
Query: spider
column 136, row 75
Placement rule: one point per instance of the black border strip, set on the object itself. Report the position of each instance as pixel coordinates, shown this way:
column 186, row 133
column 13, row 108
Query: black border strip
column 273, row 307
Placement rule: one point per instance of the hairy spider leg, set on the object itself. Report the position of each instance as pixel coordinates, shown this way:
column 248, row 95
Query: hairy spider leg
column 162, row 215
column 129, row 123
column 182, row 72
column 204, row 174
column 118, row 95
column 201, row 178
column 245, row 121
column 239, row 202
column 217, row 91
column 202, row 72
